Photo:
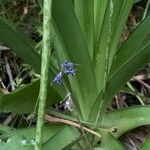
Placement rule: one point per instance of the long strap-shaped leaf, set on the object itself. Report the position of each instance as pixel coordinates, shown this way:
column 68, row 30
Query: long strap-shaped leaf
column 99, row 13
column 74, row 87
column 113, row 143
column 23, row 139
column 127, row 119
column 23, row 46
column 77, row 51
column 19, row 43
column 120, row 15
column 133, row 55
column 65, row 137
column 115, row 17
column 23, row 100
column 85, row 14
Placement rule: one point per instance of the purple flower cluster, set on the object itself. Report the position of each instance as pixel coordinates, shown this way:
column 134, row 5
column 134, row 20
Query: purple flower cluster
column 67, row 68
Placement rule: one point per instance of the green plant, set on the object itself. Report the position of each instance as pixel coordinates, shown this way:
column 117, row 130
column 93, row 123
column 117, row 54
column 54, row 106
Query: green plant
column 87, row 34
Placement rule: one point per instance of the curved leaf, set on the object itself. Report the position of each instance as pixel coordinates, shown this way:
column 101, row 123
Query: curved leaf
column 15, row 140
column 62, row 139
column 23, row 100
column 20, row 43
column 109, row 142
column 126, row 119
column 146, row 145
column 23, row 46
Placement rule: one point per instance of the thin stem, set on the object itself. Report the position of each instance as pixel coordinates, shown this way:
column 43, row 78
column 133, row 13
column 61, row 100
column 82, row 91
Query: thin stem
column 146, row 9
column 46, row 49
column 69, row 122
column 138, row 97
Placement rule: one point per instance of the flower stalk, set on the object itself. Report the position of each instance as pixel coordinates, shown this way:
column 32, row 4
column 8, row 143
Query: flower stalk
column 46, row 50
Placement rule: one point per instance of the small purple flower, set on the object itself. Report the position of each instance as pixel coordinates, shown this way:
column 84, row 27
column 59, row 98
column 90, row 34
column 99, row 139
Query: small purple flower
column 70, row 71
column 68, row 67
column 67, row 64
column 69, row 104
column 58, row 78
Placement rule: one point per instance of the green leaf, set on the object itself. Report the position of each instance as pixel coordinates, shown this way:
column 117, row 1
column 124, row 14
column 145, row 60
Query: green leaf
column 109, row 142
column 116, row 14
column 126, row 119
column 99, row 13
column 14, row 140
column 77, row 52
column 145, row 145
column 23, row 46
column 23, row 100
column 62, row 139
column 20, row 43
column 62, row 55
column 120, row 16
column 85, row 14
column 5, row 129
column 133, row 55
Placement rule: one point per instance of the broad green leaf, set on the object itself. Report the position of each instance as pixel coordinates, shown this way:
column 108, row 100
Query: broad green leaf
column 126, row 119
column 120, row 15
column 145, row 145
column 85, row 14
column 133, row 55
column 138, row 40
column 23, row 46
column 102, row 53
column 99, row 13
column 23, row 100
column 77, row 52
column 14, row 140
column 109, row 142
column 62, row 139
column 62, row 55
column 114, row 19
column 19, row 43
